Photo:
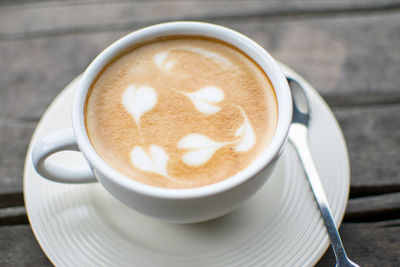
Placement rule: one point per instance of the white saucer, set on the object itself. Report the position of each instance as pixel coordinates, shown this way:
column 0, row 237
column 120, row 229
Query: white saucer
column 82, row 225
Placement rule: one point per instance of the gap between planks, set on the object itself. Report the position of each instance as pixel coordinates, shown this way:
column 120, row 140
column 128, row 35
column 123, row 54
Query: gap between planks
column 378, row 208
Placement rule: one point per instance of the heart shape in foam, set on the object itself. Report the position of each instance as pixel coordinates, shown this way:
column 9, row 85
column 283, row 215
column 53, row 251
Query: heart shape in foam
column 155, row 161
column 201, row 148
column 139, row 100
column 205, row 98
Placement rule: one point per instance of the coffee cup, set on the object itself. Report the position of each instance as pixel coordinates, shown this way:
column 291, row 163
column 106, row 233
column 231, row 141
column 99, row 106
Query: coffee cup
column 181, row 196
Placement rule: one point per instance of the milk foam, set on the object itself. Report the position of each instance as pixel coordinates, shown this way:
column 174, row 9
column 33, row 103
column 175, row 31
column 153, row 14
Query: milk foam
column 193, row 113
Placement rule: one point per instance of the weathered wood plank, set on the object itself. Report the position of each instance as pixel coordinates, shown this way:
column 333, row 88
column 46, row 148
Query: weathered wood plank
column 18, row 247
column 369, row 244
column 338, row 56
column 52, row 18
column 14, row 141
column 40, row 69
column 373, row 140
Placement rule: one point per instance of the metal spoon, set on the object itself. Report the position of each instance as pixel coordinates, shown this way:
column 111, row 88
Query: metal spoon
column 298, row 136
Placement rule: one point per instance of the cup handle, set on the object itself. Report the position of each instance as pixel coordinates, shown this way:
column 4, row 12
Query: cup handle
column 56, row 142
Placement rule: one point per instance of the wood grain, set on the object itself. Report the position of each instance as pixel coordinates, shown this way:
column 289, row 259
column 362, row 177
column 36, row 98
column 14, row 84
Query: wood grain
column 335, row 53
column 369, row 245
column 72, row 16
column 18, row 247
column 337, row 56
column 14, row 141
column 373, row 139
column 348, row 50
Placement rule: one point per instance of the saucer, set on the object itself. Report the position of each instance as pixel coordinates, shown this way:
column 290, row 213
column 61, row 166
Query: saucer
column 82, row 225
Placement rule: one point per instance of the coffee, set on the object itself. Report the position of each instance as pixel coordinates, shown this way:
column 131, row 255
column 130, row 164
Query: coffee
column 181, row 112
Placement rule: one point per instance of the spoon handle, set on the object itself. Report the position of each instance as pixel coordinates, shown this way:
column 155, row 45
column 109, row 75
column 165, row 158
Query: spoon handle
column 300, row 143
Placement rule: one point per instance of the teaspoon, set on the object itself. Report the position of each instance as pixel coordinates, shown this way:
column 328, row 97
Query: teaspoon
column 298, row 136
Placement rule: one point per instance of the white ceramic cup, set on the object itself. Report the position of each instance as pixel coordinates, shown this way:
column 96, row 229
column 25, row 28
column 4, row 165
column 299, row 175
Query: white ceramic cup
column 174, row 205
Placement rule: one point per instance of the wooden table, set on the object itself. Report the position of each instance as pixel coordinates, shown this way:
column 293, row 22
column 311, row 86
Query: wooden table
column 349, row 50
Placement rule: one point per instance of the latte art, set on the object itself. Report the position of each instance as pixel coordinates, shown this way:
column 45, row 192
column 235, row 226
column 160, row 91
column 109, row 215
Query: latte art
column 181, row 112
column 138, row 100
column 206, row 98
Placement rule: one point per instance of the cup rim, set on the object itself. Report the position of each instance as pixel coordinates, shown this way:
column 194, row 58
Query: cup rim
column 248, row 46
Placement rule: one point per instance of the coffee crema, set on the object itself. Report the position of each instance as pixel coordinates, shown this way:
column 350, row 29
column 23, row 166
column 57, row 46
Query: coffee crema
column 181, row 112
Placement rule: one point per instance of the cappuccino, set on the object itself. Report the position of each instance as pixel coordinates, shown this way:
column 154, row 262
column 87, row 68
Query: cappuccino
column 181, row 112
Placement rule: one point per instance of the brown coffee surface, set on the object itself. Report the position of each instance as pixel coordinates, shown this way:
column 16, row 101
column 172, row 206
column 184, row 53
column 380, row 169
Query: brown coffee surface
column 181, row 112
